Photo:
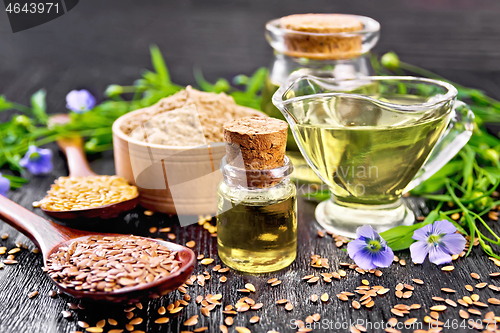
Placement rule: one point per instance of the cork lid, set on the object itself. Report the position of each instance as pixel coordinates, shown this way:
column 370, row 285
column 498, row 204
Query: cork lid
column 261, row 141
column 321, row 23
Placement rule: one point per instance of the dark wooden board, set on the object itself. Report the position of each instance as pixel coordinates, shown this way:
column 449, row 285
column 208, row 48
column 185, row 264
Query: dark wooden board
column 99, row 43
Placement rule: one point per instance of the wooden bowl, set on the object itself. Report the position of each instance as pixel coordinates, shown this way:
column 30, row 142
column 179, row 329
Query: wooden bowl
column 172, row 180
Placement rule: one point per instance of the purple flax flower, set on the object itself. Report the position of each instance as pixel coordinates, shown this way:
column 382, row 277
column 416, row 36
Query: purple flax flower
column 439, row 240
column 37, row 160
column 80, row 101
column 369, row 250
column 4, row 185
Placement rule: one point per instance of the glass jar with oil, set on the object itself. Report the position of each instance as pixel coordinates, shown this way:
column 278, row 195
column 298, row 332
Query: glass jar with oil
column 257, row 201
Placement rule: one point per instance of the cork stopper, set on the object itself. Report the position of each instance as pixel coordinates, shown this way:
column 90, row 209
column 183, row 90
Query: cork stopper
column 319, row 38
column 261, row 140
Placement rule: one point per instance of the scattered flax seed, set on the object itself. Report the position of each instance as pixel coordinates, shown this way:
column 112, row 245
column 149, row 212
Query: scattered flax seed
column 314, row 298
column 289, row 306
column 191, row 321
column 450, row 302
column 223, row 279
column 167, row 229
column 148, row 213
column 415, row 306
column 468, row 300
column 162, row 311
column 274, row 284
column 438, row 308
column 434, row 315
column 200, row 329
column 243, row 290
column 5, row 236
column 171, row 236
column 314, row 279
column 480, row 304
column 224, row 270
column 52, row 293
column 191, row 244
column 378, row 273
column 33, row 294
column 112, row 322
column 95, row 329
column 102, row 323
column 418, row 281
column 392, row 322
column 469, row 287
column 321, row 233
column 356, row 305
column 464, row 314
column 223, row 328
column 448, row 290
column 10, row 262
column 402, row 262
column 325, row 297
column 407, row 294
column 282, row 301
column 137, row 321
column 474, row 312
column 153, row 230
column 481, row 285
column 448, row 268
column 410, row 321
column 342, row 297
column 242, row 329
column 250, row 287
column 400, row 286
column 494, row 301
column 495, row 274
column 254, row 319
column 66, row 314
column 399, row 294
column 82, row 324
column 257, row 306
column 207, row 261
column 474, row 297
column 200, row 256
column 14, row 250
column 365, row 282
column 474, row 276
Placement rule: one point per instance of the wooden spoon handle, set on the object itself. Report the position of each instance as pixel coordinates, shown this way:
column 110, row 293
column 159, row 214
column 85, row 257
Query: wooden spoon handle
column 77, row 162
column 44, row 233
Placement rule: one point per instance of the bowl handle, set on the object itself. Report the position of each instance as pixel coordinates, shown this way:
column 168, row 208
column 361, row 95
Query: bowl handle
column 455, row 138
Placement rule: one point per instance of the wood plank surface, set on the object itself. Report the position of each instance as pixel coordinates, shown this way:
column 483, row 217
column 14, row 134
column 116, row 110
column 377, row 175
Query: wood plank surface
column 104, row 42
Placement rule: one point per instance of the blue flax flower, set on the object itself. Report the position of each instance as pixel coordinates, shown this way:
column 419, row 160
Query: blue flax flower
column 369, row 250
column 439, row 240
column 4, row 185
column 80, row 101
column 37, row 160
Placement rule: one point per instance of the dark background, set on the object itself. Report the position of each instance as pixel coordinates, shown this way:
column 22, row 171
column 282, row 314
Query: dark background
column 102, row 42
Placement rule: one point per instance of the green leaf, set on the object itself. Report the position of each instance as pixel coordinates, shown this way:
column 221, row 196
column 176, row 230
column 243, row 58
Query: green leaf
column 402, row 243
column 5, row 104
column 39, row 106
column 16, row 182
column 159, row 65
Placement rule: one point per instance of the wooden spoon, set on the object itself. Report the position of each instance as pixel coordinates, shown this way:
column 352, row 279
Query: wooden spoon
column 49, row 237
column 78, row 166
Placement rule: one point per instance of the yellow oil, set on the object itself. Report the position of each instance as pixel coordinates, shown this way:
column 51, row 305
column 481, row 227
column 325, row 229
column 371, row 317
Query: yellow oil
column 257, row 235
column 366, row 153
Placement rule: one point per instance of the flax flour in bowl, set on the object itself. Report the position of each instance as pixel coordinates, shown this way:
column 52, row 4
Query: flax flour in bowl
column 172, row 150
